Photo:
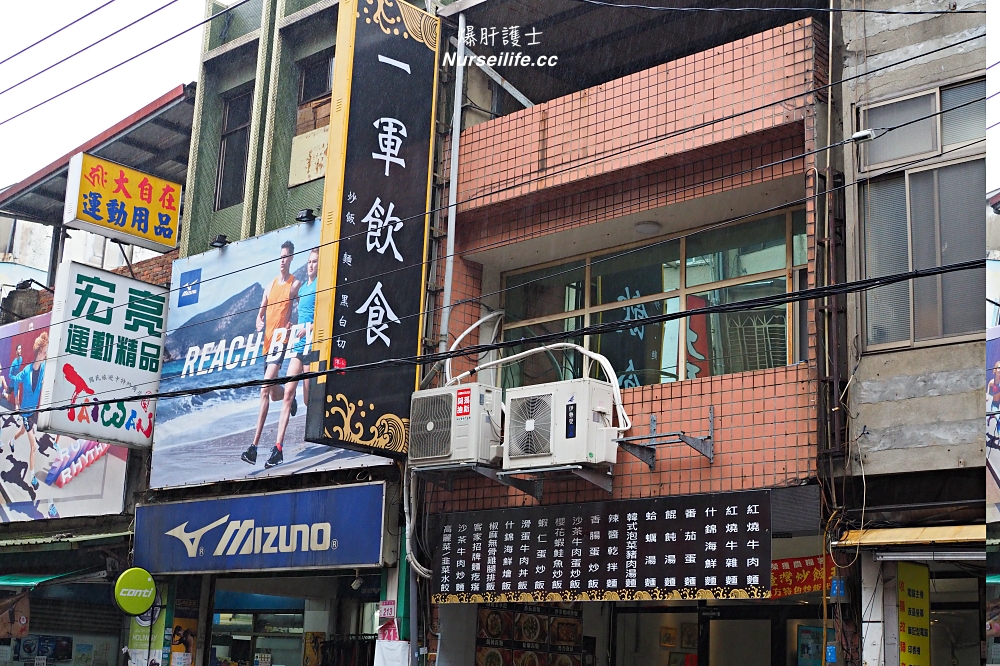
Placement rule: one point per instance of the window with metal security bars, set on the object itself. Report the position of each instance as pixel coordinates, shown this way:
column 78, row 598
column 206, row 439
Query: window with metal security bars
column 923, row 219
column 910, row 127
column 233, row 151
column 737, row 262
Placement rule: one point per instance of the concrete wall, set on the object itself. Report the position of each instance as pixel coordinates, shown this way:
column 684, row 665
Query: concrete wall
column 919, row 408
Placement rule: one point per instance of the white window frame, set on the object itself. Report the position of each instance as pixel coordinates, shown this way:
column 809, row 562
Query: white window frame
column 911, row 343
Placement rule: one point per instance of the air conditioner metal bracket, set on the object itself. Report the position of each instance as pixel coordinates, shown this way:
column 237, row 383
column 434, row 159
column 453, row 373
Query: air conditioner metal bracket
column 597, row 477
column 443, row 476
column 643, row 447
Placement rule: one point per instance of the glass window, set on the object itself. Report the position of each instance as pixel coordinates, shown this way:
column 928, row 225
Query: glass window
column 552, row 366
column 942, row 224
column 315, row 80
column 725, row 253
column 629, row 274
column 721, row 343
column 548, row 291
column 964, row 117
column 642, row 355
column 913, row 139
column 233, row 622
column 279, row 623
column 637, row 283
column 232, row 173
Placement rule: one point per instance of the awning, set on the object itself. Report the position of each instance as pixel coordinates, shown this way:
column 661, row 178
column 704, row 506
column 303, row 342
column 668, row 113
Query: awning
column 993, row 580
column 911, row 536
column 66, row 539
column 20, row 581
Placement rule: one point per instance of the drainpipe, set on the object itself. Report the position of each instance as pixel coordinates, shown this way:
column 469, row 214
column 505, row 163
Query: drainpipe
column 456, row 130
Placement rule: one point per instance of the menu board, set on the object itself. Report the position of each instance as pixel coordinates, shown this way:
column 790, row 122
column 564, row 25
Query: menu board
column 695, row 546
column 529, row 635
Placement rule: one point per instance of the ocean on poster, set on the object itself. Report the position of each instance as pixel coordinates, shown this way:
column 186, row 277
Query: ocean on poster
column 220, row 331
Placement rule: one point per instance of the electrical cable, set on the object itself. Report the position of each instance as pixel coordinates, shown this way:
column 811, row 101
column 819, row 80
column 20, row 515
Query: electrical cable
column 594, row 329
column 88, row 46
column 818, row 10
column 123, row 62
column 578, row 332
column 53, row 34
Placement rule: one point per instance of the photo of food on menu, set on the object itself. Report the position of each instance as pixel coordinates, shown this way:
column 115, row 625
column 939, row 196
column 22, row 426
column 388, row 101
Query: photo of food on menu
column 528, row 635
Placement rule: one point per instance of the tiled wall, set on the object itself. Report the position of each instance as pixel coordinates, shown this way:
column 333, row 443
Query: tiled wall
column 731, row 91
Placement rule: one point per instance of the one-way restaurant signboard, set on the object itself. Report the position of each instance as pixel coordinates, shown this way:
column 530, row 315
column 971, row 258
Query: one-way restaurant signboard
column 712, row 546
column 107, row 336
column 121, row 203
column 374, row 226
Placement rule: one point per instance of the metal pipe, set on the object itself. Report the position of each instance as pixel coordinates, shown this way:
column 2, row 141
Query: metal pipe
column 456, row 131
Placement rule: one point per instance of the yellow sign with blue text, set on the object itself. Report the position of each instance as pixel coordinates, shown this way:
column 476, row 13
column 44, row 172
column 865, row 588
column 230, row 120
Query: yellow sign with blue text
column 121, row 203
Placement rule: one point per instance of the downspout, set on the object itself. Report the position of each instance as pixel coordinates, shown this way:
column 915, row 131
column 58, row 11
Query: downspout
column 456, row 131
column 829, row 319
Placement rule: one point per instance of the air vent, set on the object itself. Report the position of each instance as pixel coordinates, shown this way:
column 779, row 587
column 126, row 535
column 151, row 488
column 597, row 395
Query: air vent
column 530, row 426
column 430, row 426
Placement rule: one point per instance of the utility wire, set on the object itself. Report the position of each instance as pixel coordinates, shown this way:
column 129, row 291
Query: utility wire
column 123, row 62
column 826, row 10
column 88, row 46
column 53, row 34
column 594, row 329
column 577, row 332
column 609, row 257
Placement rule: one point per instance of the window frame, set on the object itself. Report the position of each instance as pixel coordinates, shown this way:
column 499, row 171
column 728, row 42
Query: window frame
column 793, row 347
column 861, row 122
column 223, row 136
column 326, row 55
column 911, row 343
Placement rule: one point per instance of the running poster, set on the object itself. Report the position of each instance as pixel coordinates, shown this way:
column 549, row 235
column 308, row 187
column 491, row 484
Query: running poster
column 993, row 424
column 241, row 313
column 43, row 475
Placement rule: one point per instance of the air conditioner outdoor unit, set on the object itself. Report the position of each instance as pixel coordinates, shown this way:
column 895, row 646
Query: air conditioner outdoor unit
column 562, row 423
column 455, row 424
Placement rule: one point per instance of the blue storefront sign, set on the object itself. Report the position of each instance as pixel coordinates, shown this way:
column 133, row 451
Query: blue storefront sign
column 306, row 529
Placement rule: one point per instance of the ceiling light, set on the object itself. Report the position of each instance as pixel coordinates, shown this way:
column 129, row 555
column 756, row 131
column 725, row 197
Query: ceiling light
column 220, row 241
column 648, row 227
column 305, row 215
column 932, row 556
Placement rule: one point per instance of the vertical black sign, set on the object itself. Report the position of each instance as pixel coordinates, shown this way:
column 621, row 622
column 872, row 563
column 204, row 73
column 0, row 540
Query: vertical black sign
column 377, row 295
column 694, row 546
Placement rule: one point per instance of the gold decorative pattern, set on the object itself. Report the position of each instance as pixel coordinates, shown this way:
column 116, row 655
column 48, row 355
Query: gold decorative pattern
column 390, row 432
column 420, row 25
column 684, row 593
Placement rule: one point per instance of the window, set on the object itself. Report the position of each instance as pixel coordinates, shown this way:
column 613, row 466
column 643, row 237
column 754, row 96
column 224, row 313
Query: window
column 920, row 133
column 924, row 218
column 726, row 265
column 315, row 82
column 232, row 174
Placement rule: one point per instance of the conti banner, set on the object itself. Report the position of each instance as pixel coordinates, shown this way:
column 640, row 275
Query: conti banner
column 374, row 227
column 121, row 203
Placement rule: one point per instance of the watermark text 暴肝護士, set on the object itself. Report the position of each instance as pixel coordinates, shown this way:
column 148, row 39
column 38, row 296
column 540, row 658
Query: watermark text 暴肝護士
column 513, row 37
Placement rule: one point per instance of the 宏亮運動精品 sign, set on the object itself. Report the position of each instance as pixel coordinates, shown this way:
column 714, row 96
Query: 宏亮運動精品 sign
column 106, row 343
column 374, row 225
column 121, row 203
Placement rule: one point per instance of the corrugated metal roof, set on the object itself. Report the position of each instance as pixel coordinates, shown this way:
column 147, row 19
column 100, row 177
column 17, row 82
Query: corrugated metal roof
column 905, row 536
column 61, row 538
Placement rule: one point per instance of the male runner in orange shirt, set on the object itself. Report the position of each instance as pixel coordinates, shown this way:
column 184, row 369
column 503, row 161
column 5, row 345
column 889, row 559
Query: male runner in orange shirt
column 275, row 313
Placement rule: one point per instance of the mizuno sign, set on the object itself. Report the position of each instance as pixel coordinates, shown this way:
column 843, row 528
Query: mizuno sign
column 330, row 527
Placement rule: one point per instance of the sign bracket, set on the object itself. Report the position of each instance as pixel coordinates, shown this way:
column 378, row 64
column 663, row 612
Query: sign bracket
column 643, row 447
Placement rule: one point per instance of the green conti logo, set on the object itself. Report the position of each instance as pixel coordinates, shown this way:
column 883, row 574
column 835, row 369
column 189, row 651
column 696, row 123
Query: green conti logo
column 135, row 591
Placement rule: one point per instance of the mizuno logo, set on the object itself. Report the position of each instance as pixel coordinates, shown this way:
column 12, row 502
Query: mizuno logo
column 192, row 539
column 243, row 537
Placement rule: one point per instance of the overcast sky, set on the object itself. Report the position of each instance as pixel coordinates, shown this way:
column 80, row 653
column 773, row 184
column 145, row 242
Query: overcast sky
column 45, row 134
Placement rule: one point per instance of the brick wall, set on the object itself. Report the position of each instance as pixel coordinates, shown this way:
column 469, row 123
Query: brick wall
column 638, row 119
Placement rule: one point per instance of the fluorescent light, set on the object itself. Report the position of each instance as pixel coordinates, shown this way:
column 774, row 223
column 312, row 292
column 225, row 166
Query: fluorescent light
column 931, row 556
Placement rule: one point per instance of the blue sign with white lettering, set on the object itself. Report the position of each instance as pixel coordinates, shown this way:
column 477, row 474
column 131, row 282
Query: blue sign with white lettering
column 190, row 288
column 306, row 529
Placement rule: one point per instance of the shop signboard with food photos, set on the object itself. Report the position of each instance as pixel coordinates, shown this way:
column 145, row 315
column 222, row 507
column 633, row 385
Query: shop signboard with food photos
column 529, row 635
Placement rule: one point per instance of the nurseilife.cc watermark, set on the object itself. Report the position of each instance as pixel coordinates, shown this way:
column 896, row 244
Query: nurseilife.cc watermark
column 507, row 37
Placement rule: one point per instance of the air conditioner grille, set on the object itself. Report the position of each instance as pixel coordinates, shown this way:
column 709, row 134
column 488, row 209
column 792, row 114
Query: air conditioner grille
column 430, row 426
column 530, row 426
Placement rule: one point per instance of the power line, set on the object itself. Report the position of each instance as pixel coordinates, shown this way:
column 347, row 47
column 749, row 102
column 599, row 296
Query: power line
column 124, row 62
column 88, row 46
column 53, row 34
column 826, row 10
column 577, row 332
column 594, row 329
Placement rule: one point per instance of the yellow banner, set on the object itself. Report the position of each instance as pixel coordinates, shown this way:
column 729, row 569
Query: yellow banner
column 914, row 614
column 121, row 203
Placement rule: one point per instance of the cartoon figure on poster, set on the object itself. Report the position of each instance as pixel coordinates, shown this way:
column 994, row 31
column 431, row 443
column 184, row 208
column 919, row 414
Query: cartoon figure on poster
column 44, row 475
column 241, row 314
